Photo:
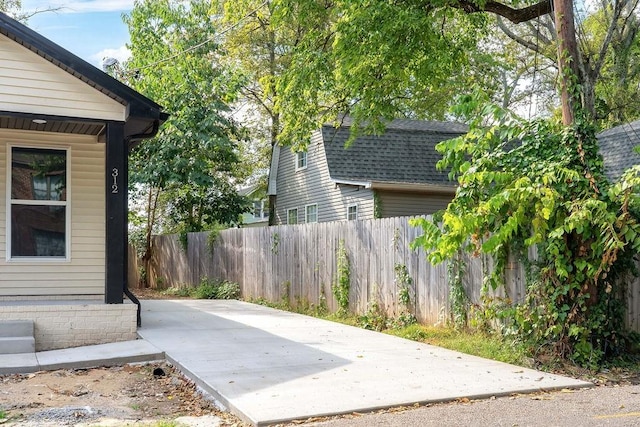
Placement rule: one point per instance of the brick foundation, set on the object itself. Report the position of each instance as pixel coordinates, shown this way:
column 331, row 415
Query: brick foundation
column 65, row 324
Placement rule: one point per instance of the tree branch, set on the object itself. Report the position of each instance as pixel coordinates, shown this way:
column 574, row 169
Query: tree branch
column 514, row 15
column 520, row 40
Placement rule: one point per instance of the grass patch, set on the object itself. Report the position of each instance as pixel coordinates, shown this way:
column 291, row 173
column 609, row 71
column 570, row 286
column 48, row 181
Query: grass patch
column 177, row 291
column 3, row 415
column 475, row 343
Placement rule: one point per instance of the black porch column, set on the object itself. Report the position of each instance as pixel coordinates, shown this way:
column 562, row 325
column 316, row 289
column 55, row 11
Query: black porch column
column 116, row 262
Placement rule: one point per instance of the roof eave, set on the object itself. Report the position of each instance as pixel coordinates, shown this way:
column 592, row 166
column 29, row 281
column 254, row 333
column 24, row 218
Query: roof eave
column 137, row 104
column 414, row 187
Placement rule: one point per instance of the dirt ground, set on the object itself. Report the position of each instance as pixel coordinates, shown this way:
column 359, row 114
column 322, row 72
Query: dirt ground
column 126, row 395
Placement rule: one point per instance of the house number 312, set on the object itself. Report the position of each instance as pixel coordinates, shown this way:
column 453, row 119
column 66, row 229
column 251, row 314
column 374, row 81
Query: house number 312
column 114, row 186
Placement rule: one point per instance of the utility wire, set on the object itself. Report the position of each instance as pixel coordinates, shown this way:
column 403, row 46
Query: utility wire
column 208, row 40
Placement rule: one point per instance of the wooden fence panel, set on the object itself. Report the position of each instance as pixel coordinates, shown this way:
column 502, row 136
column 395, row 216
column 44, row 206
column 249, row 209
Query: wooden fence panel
column 299, row 262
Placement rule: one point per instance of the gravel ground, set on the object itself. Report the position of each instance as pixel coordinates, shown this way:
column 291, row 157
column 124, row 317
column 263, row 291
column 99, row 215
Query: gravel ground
column 599, row 406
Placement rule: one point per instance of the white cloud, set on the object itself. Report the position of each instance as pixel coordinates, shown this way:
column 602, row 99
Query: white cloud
column 78, row 6
column 121, row 54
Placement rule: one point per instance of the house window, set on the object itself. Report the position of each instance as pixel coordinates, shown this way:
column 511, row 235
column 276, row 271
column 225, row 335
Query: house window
column 311, row 213
column 292, row 216
column 260, row 209
column 301, row 160
column 38, row 222
column 352, row 212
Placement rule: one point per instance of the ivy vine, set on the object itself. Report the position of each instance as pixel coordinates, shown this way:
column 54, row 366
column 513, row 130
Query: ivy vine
column 524, row 184
column 342, row 284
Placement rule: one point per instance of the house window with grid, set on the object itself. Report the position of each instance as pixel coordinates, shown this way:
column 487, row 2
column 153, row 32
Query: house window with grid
column 301, row 160
column 260, row 209
column 292, row 216
column 311, row 213
column 38, row 222
column 352, row 212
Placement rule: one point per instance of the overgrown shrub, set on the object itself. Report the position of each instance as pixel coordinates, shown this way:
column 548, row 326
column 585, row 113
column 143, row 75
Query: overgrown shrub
column 524, row 184
column 216, row 289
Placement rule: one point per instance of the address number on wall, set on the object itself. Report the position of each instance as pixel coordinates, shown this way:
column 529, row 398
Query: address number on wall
column 114, row 185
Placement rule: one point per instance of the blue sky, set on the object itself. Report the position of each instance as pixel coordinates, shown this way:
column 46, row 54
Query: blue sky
column 88, row 28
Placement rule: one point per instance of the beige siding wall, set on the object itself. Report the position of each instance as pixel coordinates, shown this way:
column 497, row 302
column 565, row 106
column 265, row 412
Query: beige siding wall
column 396, row 203
column 84, row 273
column 31, row 84
column 313, row 185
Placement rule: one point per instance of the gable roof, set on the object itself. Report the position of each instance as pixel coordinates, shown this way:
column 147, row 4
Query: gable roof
column 403, row 155
column 143, row 114
column 617, row 148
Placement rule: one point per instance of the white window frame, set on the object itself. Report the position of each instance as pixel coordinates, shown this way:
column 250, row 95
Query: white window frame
column 297, row 216
column 306, row 213
column 348, row 213
column 301, row 160
column 66, row 203
column 264, row 209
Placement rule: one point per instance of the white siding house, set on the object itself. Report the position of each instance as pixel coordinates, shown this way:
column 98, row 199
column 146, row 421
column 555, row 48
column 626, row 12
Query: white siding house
column 392, row 174
column 66, row 129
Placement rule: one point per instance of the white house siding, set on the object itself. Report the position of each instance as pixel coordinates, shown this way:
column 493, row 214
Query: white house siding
column 31, row 84
column 313, row 185
column 397, row 203
column 84, row 273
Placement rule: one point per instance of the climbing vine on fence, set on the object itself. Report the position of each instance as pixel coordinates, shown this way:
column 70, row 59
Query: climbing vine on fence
column 537, row 183
column 342, row 284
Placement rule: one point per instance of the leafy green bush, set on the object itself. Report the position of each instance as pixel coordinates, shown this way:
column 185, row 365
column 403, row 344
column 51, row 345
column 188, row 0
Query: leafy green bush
column 228, row 290
column 216, row 289
column 538, row 184
column 375, row 318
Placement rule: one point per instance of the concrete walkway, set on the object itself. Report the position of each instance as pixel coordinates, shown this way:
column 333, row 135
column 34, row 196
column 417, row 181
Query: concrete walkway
column 270, row 366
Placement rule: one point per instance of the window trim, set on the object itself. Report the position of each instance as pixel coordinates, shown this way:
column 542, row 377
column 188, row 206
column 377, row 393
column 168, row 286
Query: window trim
column 306, row 213
column 264, row 209
column 297, row 216
column 349, row 207
column 66, row 203
column 297, row 159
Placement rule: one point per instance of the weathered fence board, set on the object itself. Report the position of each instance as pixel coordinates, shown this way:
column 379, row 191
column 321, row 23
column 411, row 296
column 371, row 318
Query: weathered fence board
column 299, row 263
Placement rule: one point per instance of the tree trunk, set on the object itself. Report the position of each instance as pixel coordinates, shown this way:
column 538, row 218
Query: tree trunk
column 567, row 58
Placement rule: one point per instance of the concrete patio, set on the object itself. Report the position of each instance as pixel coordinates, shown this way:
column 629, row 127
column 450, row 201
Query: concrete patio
column 269, row 366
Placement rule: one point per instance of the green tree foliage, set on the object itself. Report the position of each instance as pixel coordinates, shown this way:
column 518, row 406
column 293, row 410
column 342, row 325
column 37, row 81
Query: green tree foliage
column 373, row 60
column 608, row 69
column 536, row 184
column 10, row 6
column 259, row 53
column 193, row 164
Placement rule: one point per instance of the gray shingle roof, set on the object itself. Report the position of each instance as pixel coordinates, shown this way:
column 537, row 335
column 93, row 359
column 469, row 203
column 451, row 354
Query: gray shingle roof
column 405, row 153
column 616, row 147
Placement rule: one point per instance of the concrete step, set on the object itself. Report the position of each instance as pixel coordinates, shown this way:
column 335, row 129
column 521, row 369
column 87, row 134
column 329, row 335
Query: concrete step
column 15, row 345
column 16, row 328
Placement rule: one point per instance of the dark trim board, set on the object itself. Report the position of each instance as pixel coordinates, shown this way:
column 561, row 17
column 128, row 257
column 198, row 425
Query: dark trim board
column 116, row 214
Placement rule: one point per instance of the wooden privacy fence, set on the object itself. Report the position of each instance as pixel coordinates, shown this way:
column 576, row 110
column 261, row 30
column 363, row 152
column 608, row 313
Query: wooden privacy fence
column 299, row 263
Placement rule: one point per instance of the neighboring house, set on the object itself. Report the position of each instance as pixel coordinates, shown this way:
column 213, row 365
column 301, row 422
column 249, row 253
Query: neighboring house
column 66, row 129
column 393, row 174
column 617, row 148
column 258, row 216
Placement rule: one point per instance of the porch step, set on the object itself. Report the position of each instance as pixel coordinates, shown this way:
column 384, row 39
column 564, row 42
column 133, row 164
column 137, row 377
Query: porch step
column 15, row 345
column 16, row 336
